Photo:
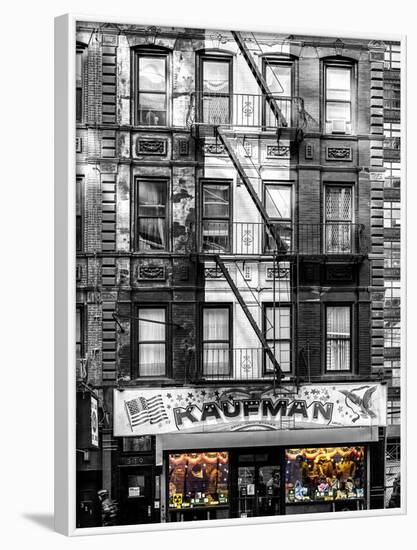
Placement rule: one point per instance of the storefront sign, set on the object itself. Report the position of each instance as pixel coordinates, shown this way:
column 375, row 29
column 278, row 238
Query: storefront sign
column 169, row 410
column 94, row 422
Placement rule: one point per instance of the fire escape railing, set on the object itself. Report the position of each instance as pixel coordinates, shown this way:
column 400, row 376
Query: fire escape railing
column 244, row 111
column 255, row 239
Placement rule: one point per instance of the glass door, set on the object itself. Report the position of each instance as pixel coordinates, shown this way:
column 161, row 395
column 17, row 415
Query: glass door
column 258, row 486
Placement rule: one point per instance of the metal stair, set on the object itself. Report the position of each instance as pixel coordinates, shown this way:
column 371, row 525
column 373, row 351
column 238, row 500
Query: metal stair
column 269, row 98
column 277, row 368
column 227, row 142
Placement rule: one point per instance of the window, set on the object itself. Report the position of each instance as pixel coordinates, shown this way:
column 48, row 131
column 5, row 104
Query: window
column 151, row 88
column 216, row 341
column 198, row 480
column 152, row 341
column 392, row 333
column 338, row 98
column 338, row 338
column 392, row 133
column 392, row 56
column 277, row 329
column 392, row 175
column 392, row 95
column 140, row 444
column 79, row 82
column 392, row 214
column 393, row 367
column 216, row 217
column 279, row 79
column 216, row 86
column 278, row 206
column 325, row 474
column 79, row 343
column 152, row 215
column 392, row 293
column 394, row 412
column 78, row 213
column 392, row 251
column 338, row 219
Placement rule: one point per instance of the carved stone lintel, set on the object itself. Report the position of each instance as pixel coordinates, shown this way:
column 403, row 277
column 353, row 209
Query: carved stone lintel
column 278, row 151
column 153, row 272
column 213, row 273
column 213, row 148
column 151, row 147
column 339, row 153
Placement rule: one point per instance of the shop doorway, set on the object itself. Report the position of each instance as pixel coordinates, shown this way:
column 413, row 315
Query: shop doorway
column 257, row 485
column 135, row 495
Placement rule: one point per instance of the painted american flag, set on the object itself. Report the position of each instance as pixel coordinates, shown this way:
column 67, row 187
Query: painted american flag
column 141, row 410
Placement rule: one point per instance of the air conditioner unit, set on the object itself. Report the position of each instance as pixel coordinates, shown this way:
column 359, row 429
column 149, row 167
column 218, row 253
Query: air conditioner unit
column 338, row 127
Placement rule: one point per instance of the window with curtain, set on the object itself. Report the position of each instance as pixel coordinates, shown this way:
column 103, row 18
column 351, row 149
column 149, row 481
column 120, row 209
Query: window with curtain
column 277, row 328
column 78, row 212
column 278, row 77
column 151, row 85
column 216, row 341
column 216, row 216
column 152, row 211
column 338, row 97
column 338, row 338
column 338, row 219
column 216, row 89
column 392, row 254
column 278, row 206
column 152, row 341
column 79, row 83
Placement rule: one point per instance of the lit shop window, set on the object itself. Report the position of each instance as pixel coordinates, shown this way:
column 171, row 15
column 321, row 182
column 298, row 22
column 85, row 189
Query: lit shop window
column 198, row 479
column 324, row 474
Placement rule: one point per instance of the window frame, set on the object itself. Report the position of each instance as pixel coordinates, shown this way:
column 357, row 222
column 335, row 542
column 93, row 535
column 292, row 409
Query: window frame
column 290, row 221
column 229, row 219
column 350, row 307
column 270, row 305
column 216, row 57
column 136, row 340
column 79, row 213
column 156, row 52
column 81, row 49
column 136, row 224
column 283, row 61
column 217, row 305
column 342, row 63
column 328, row 222
column 391, row 206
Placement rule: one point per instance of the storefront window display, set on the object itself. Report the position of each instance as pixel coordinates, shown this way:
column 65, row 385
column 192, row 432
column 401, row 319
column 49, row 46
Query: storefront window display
column 198, row 479
column 324, row 474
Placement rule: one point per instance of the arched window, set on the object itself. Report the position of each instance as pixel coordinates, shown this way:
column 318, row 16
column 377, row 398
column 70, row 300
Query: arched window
column 151, row 87
column 339, row 95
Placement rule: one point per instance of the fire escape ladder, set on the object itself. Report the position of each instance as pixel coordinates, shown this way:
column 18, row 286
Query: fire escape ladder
column 226, row 141
column 277, row 369
column 260, row 79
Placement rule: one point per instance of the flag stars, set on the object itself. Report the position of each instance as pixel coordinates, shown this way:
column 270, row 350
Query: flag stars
column 169, row 395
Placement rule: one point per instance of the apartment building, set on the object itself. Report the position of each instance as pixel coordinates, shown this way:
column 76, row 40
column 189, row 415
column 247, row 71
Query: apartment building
column 231, row 226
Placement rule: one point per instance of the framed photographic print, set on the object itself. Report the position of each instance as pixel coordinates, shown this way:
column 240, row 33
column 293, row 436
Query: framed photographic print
column 228, row 288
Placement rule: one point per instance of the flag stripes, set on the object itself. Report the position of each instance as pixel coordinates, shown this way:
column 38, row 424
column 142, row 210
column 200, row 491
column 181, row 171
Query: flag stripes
column 141, row 410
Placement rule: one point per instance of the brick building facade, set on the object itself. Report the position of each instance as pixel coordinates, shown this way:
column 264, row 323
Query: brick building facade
column 230, row 242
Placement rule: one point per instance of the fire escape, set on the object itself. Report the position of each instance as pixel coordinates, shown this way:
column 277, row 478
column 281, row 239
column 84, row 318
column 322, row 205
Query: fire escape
column 275, row 118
